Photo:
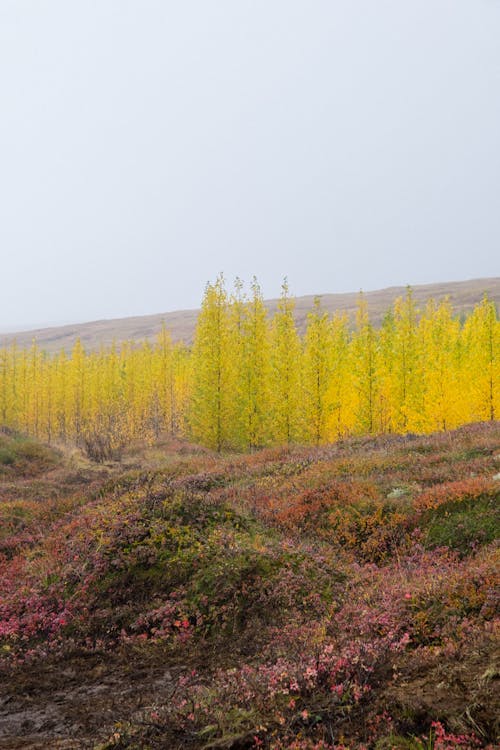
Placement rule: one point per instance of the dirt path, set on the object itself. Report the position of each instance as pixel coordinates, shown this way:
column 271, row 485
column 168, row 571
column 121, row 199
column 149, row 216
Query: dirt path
column 78, row 705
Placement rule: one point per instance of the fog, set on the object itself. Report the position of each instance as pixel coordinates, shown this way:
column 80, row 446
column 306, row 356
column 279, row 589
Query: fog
column 145, row 146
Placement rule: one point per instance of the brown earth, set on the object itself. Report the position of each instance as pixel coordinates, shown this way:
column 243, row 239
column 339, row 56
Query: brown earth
column 463, row 295
column 79, row 703
column 463, row 692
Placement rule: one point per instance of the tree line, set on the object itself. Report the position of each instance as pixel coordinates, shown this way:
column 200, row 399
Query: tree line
column 251, row 379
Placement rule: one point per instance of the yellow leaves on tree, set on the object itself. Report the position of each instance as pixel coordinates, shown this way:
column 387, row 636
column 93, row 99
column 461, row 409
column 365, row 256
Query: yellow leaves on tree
column 250, row 379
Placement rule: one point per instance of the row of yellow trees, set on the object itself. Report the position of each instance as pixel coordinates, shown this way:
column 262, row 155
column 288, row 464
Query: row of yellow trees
column 251, row 380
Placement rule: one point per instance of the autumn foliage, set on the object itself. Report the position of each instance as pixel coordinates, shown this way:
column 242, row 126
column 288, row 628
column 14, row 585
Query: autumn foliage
column 315, row 598
column 251, row 380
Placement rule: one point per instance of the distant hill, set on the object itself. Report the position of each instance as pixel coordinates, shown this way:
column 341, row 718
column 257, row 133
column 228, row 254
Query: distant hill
column 181, row 323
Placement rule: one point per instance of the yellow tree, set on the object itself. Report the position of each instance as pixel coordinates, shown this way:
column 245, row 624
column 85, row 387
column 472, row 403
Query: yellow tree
column 8, row 400
column 406, row 371
column 164, row 389
column 138, row 378
column 341, row 396
column 76, row 391
column 439, row 335
column 105, row 425
column 254, row 371
column 316, row 373
column 481, row 337
column 34, row 385
column 212, row 407
column 388, row 406
column 286, row 355
column 183, row 386
column 237, row 344
column 62, row 395
column 46, row 388
column 364, row 354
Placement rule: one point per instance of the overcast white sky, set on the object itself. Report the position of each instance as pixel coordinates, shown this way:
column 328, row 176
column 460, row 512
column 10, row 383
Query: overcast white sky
column 146, row 145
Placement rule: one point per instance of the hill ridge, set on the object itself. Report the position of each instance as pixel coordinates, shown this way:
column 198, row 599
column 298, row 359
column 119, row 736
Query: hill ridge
column 181, row 323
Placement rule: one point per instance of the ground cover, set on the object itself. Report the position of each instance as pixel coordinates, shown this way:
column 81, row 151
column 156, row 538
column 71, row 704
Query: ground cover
column 338, row 597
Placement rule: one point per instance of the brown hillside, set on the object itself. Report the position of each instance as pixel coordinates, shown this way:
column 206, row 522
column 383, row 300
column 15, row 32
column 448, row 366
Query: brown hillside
column 463, row 294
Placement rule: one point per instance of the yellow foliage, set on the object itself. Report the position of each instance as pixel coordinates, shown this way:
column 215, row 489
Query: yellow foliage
column 250, row 380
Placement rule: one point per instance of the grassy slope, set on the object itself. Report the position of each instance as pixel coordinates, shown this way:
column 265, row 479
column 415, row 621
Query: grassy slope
column 343, row 596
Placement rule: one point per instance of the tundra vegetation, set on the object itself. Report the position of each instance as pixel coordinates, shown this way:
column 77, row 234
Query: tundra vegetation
column 340, row 596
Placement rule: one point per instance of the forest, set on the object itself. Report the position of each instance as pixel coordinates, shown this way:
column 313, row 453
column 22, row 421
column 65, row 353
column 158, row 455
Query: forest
column 250, row 380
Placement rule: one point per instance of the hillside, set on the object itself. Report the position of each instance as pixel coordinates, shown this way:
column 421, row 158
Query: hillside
column 463, row 294
column 343, row 597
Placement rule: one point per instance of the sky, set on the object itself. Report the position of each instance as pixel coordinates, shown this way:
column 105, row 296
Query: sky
column 147, row 145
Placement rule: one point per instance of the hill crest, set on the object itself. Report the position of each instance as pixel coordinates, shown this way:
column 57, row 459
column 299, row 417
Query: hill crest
column 181, row 323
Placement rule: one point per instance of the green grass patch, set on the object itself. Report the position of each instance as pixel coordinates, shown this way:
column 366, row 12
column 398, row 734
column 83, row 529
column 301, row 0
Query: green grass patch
column 463, row 526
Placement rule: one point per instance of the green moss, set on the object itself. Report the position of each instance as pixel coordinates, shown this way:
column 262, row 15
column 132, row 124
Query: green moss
column 463, row 526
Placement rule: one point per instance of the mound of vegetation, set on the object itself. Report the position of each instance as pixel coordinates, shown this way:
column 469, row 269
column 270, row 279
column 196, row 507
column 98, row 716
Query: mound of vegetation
column 23, row 457
column 339, row 597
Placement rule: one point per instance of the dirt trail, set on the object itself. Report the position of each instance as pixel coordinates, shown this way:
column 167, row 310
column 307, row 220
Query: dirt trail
column 78, row 705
